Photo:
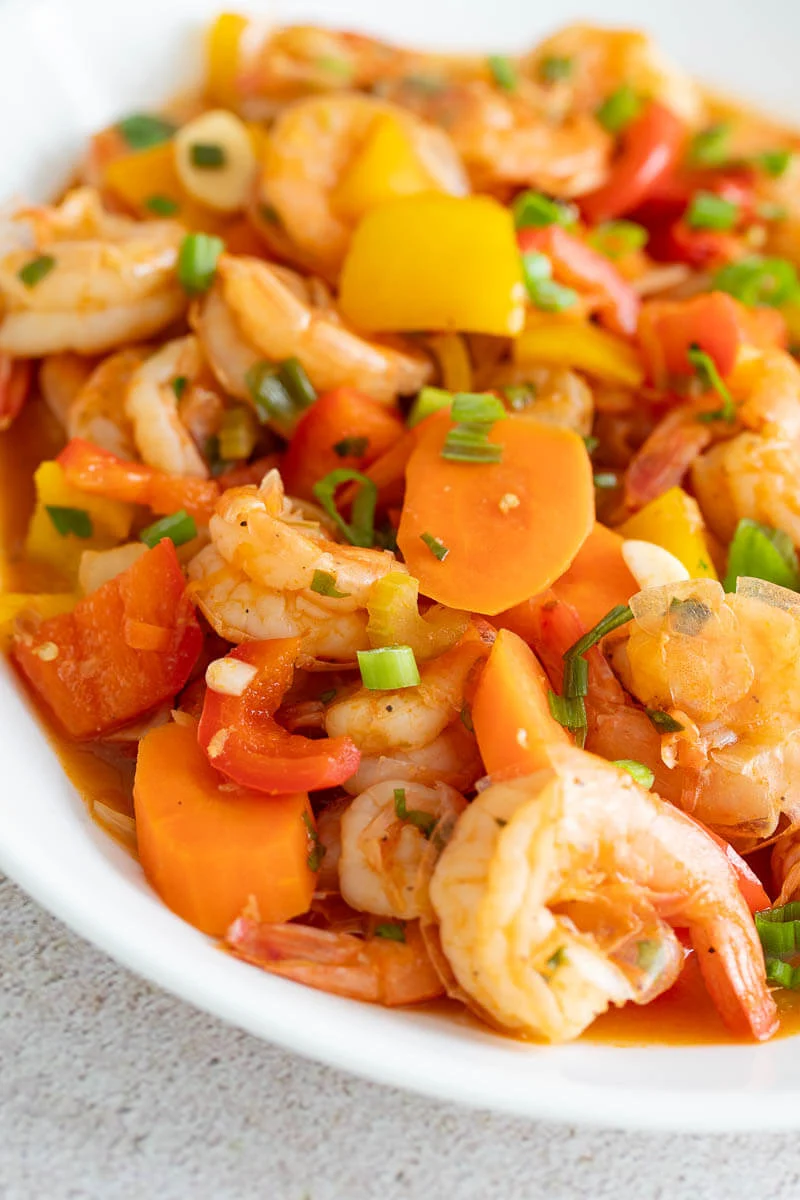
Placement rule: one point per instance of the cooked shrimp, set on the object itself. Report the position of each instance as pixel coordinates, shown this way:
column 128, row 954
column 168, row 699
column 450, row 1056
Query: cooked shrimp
column 726, row 668
column 112, row 280
column 375, row 969
column 385, row 838
column 451, row 758
column 786, row 866
column 310, row 147
column 552, row 395
column 253, row 313
column 61, row 377
column 384, row 722
column 98, row 412
column 151, row 405
column 558, row 893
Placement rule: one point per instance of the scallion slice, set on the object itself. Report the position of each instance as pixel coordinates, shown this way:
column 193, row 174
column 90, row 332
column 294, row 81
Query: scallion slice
column 197, row 261
column 70, row 520
column 605, row 480
column 424, row 821
column 35, row 271
column 761, row 552
column 617, row 238
column 519, row 396
column 569, row 711
column 388, row 668
column 708, row 211
column 637, row 770
column 470, row 444
column 543, row 291
column 782, row 974
column 663, row 722
column 179, row 527
column 281, row 392
column 437, row 548
column 774, row 162
column 710, row 147
column 207, row 155
column 479, row 408
column 429, row 400
column 237, row 433
column 325, row 585
column 779, row 930
column 576, row 678
column 503, row 71
column 360, row 531
column 351, row 447
column 294, row 378
column 711, row 380
column 393, row 931
column 535, row 210
column 179, row 385
column 554, row 68
column 143, row 130
column 162, row 206
column 755, row 280
column 619, row 109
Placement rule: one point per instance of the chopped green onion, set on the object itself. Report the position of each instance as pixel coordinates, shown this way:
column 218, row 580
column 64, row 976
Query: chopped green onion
column 424, row 821
column 179, row 385
column 317, row 851
column 281, row 392
column 591, row 444
column 503, row 71
column 663, row 722
column 711, row 380
column 35, row 271
column 620, row 614
column 534, row 209
column 70, row 520
column 197, row 261
column 544, row 293
column 689, row 616
column 605, row 479
column 207, row 154
column 269, row 214
column 294, row 378
column 617, row 238
column 342, row 68
column 576, row 677
column 428, row 401
column 558, row 958
column 774, row 162
column 519, row 396
column 554, row 68
column 393, row 931
column 470, row 444
column 162, row 206
column 179, row 528
column 782, row 974
column 351, row 447
column 709, row 211
column 142, row 130
column 619, row 109
column 328, row 695
column 710, row 147
column 760, row 552
column 779, row 930
column 238, row 433
column 477, row 408
column 637, row 770
column 569, row 711
column 325, row 585
column 755, row 280
column 437, row 548
column 388, row 668
column 361, row 530
column 466, row 718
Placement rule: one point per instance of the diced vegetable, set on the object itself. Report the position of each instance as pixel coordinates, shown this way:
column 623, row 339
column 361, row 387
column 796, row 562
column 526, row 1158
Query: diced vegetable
column 223, row 57
column 759, row 281
column 179, row 527
column 197, row 261
column 360, row 529
column 317, row 442
column 760, row 552
column 709, row 211
column 503, row 72
column 499, row 552
column 209, row 850
column 428, row 401
column 386, row 167
column 89, row 665
column 619, row 109
column 148, row 183
column 434, row 262
column 238, row 433
column 43, row 605
column 388, row 668
column 143, row 130
column 394, row 617
column 584, row 347
column 242, row 739
column 510, row 710
column 673, row 520
column 215, row 160
column 651, row 146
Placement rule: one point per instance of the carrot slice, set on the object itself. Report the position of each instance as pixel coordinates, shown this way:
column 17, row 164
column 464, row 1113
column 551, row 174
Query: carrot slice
column 207, row 846
column 598, row 579
column 511, row 528
column 510, row 711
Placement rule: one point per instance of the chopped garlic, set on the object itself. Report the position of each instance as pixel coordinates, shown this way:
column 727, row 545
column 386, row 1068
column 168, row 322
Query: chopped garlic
column 507, row 502
column 217, row 743
column 229, row 677
column 47, row 652
column 651, row 565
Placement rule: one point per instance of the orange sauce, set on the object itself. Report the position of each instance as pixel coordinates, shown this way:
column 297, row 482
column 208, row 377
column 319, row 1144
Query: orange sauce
column 104, row 776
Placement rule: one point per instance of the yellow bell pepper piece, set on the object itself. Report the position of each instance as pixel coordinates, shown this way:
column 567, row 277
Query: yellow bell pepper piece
column 13, row 603
column 385, row 168
column 140, row 176
column 455, row 365
column 435, row 262
column 558, row 343
column 111, row 522
column 222, row 58
column 673, row 521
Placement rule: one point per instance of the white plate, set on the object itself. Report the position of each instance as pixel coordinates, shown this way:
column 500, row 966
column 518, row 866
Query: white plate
column 68, row 66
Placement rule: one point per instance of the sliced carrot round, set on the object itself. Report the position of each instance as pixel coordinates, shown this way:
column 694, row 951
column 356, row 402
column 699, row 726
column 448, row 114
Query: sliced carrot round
column 510, row 528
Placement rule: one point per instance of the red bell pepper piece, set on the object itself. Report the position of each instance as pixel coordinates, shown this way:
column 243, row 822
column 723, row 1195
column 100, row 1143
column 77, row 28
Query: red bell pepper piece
column 580, row 266
column 102, row 473
column 698, row 248
column 651, row 146
column 337, row 417
column 16, row 375
column 124, row 649
column 243, row 740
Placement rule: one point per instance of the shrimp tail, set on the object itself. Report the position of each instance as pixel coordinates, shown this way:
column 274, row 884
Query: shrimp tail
column 732, row 965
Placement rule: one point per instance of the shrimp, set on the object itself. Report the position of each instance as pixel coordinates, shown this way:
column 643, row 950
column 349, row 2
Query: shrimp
column 98, row 411
column 151, row 406
column 552, row 395
column 111, row 280
column 558, row 894
column 253, row 312
column 375, row 969
column 310, row 148
column 384, row 722
column 16, row 375
column 61, row 378
column 725, row 668
column 756, row 474
column 385, row 839
column 452, row 758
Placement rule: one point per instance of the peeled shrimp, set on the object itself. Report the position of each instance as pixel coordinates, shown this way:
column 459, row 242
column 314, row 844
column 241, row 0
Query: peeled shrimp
column 112, row 282
column 151, row 405
column 375, row 969
column 451, row 758
column 253, row 312
column 557, row 396
column 558, row 893
column 786, row 866
column 310, row 147
column 61, row 377
column 382, row 853
column 98, row 411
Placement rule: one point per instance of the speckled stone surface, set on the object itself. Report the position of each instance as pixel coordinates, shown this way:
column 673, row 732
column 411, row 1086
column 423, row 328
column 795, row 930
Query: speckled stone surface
column 111, row 1089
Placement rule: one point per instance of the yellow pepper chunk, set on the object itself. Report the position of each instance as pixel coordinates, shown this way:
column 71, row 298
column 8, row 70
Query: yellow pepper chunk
column 222, row 58
column 146, row 178
column 673, row 521
column 435, row 262
column 558, row 343
column 385, row 168
column 13, row 603
column 111, row 522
